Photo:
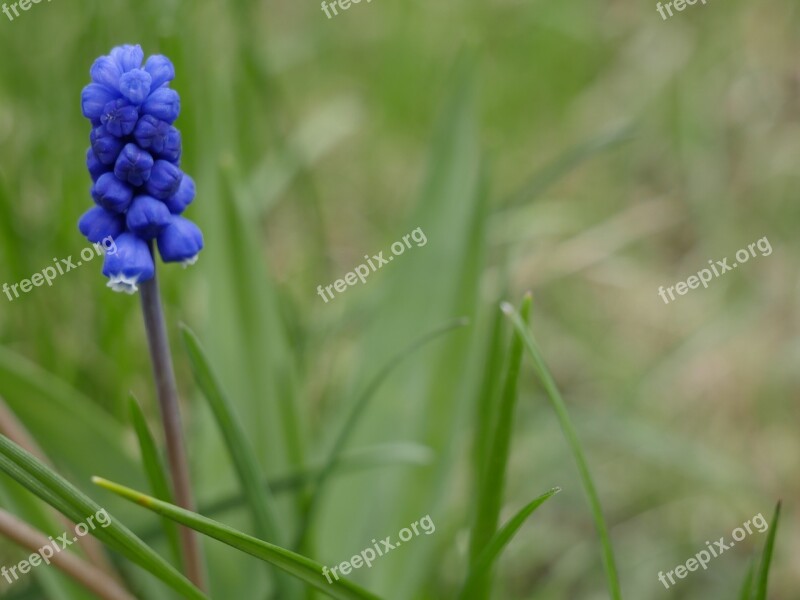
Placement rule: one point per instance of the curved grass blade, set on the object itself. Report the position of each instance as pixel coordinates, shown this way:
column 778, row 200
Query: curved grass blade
column 77, row 506
column 746, row 593
column 485, row 413
column 493, row 479
column 560, row 408
column 762, row 576
column 357, row 411
column 244, row 460
column 296, row 565
column 242, row 456
column 499, row 541
column 156, row 475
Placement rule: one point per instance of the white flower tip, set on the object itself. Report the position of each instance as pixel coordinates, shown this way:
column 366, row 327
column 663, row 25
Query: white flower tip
column 190, row 261
column 121, row 283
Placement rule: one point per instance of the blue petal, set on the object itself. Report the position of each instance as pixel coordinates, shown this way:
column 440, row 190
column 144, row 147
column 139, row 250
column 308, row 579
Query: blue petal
column 147, row 217
column 164, row 180
column 181, row 241
column 129, row 265
column 96, row 168
column 106, row 147
column 163, row 104
column 160, row 69
column 134, row 165
column 128, row 57
column 110, row 193
column 160, row 138
column 119, row 117
column 106, row 72
column 178, row 202
column 97, row 224
column 94, row 98
column 135, row 85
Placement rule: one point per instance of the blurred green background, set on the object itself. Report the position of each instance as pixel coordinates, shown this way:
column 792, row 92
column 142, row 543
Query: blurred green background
column 587, row 151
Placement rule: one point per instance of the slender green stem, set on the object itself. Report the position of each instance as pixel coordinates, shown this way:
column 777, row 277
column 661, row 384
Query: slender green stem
column 171, row 418
column 574, row 443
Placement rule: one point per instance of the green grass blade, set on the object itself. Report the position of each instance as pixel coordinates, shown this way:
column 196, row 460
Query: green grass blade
column 746, row 593
column 571, row 435
column 485, row 413
column 258, row 497
column 77, row 506
column 762, row 577
column 492, row 551
column 242, row 456
column 296, row 565
column 356, row 412
column 492, row 489
column 156, row 474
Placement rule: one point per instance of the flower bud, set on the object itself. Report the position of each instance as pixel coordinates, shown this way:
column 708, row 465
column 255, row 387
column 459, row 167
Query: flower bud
column 97, row 223
column 163, row 104
column 178, row 202
column 164, row 180
column 160, row 69
column 106, row 147
column 119, row 117
column 134, row 165
column 110, row 193
column 94, row 98
column 131, row 264
column 147, row 217
column 128, row 57
column 106, row 72
column 180, row 241
column 135, row 86
column 96, row 168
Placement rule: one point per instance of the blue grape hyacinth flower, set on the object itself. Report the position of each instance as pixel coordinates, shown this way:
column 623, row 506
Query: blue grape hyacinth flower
column 138, row 188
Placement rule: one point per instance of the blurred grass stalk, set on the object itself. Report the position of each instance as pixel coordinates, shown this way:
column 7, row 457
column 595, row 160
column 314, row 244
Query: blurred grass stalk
column 560, row 408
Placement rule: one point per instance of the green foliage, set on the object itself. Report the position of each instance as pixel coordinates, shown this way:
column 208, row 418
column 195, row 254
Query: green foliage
column 296, row 565
column 77, row 506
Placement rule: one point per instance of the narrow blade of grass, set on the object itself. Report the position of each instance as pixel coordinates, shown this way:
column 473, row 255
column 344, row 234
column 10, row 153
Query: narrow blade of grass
column 242, row 456
column 485, row 413
column 66, row 498
column 762, row 577
column 357, row 411
column 296, row 565
column 156, row 474
column 492, row 551
column 258, row 497
column 746, row 593
column 492, row 488
column 571, row 435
